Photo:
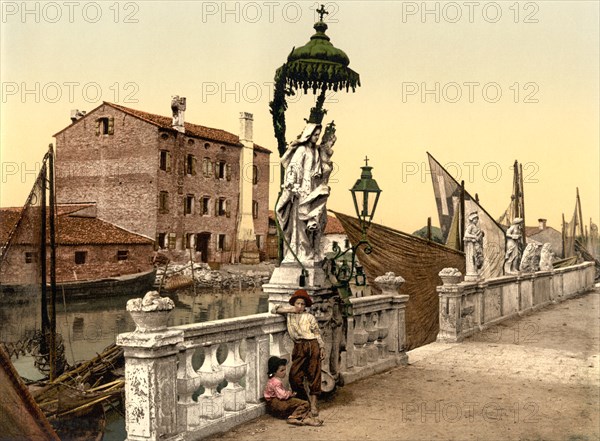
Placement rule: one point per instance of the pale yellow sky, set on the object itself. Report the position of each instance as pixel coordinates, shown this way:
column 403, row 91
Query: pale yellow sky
column 514, row 80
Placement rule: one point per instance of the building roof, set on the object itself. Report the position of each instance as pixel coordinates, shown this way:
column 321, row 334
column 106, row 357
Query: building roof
column 333, row 226
column 193, row 130
column 71, row 229
column 532, row 231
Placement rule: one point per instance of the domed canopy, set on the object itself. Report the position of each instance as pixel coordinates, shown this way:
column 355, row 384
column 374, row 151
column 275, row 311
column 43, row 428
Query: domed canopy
column 319, row 65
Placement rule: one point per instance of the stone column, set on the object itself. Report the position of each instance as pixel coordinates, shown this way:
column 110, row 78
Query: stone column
column 151, row 384
column 151, row 370
column 450, row 294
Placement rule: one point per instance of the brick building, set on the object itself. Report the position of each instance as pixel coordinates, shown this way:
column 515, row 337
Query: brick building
column 88, row 248
column 185, row 185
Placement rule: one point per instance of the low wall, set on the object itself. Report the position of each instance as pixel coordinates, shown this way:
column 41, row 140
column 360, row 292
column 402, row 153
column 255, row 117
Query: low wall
column 187, row 382
column 470, row 307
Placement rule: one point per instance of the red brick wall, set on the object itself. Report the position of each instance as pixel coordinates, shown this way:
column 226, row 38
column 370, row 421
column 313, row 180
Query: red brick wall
column 101, row 261
column 260, row 193
column 121, row 173
column 117, row 171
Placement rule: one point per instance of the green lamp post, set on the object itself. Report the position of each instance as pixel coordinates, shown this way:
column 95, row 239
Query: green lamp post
column 317, row 66
column 365, row 194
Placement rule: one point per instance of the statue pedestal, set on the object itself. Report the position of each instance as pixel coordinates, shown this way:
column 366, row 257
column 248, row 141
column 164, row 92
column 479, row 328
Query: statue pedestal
column 326, row 309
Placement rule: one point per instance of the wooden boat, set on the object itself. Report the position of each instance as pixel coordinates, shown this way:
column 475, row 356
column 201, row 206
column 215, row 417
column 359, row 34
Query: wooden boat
column 109, row 286
column 418, row 261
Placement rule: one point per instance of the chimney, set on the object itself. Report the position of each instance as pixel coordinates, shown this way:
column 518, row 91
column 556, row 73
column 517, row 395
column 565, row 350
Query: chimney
column 77, row 114
column 178, row 108
column 542, row 224
column 246, row 130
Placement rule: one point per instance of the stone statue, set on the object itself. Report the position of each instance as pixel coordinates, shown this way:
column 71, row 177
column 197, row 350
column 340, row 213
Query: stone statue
column 301, row 209
column 473, row 240
column 546, row 257
column 512, row 258
column 530, row 262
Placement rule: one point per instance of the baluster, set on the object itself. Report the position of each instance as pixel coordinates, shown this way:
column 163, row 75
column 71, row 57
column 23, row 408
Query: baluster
column 383, row 329
column 361, row 337
column 188, row 381
column 373, row 335
column 234, row 369
column 211, row 374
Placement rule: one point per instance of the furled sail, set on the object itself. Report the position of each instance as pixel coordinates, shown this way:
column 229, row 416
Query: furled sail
column 418, row 261
column 449, row 197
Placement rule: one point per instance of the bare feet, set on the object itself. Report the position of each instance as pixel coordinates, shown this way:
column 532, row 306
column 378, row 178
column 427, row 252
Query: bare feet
column 312, row 421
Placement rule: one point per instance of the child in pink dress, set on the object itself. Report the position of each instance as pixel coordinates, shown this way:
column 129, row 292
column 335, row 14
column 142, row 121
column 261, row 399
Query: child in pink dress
column 283, row 403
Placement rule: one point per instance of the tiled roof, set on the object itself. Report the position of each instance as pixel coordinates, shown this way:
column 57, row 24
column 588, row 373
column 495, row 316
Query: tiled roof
column 532, row 231
column 71, row 230
column 193, row 130
column 333, row 226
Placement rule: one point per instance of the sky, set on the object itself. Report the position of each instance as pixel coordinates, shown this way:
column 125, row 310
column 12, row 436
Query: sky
column 477, row 84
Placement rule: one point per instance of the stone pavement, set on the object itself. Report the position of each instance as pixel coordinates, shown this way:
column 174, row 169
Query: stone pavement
column 536, row 377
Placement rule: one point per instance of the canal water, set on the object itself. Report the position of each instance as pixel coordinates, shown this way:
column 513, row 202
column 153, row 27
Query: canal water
column 88, row 326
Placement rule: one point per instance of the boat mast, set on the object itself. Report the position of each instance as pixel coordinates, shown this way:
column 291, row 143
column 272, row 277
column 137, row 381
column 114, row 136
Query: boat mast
column 522, row 204
column 52, row 219
column 461, row 225
column 580, row 215
column 43, row 238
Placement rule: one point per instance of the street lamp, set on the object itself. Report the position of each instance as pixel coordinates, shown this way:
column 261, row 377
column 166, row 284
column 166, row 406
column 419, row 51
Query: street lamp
column 343, row 265
column 365, row 195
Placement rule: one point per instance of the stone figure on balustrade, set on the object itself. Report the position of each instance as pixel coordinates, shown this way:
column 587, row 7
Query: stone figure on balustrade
column 512, row 258
column 301, row 209
column 473, row 239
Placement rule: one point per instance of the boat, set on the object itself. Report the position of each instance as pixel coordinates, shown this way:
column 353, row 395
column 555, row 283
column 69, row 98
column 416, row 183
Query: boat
column 108, row 286
column 418, row 261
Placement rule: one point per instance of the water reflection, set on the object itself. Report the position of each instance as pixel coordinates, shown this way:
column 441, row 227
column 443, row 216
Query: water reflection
column 88, row 326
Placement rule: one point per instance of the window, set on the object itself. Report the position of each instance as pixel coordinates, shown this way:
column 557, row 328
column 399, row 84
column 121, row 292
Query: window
column 205, row 205
column 163, row 202
column 223, row 207
column 207, row 167
column 122, row 254
column 220, row 168
column 165, row 160
column 259, row 241
column 105, row 126
column 28, row 257
column 255, row 209
column 80, row 257
column 172, row 241
column 254, row 174
column 190, row 165
column 161, row 240
column 189, row 240
column 221, row 242
column 188, row 207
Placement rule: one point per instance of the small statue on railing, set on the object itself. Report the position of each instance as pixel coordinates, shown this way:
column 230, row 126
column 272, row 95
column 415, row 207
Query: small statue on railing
column 473, row 240
column 301, row 209
column 530, row 262
column 512, row 258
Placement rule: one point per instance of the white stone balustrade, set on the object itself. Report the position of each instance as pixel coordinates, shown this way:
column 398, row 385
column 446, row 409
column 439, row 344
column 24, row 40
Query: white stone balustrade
column 175, row 377
column 375, row 336
column 470, row 307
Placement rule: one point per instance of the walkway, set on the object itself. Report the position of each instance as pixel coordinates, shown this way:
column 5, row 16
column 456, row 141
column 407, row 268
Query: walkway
column 532, row 378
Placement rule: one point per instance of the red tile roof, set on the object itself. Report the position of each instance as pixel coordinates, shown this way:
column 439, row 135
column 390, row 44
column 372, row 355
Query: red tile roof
column 193, row 130
column 71, row 230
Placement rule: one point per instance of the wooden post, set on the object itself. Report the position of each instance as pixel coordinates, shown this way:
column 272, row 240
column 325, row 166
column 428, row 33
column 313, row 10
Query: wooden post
column 461, row 225
column 429, row 236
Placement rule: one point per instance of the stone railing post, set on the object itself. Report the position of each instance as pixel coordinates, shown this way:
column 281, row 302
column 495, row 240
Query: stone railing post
column 390, row 285
column 151, row 371
column 450, row 294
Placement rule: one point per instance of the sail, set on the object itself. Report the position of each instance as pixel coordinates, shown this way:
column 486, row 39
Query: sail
column 448, row 200
column 418, row 261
